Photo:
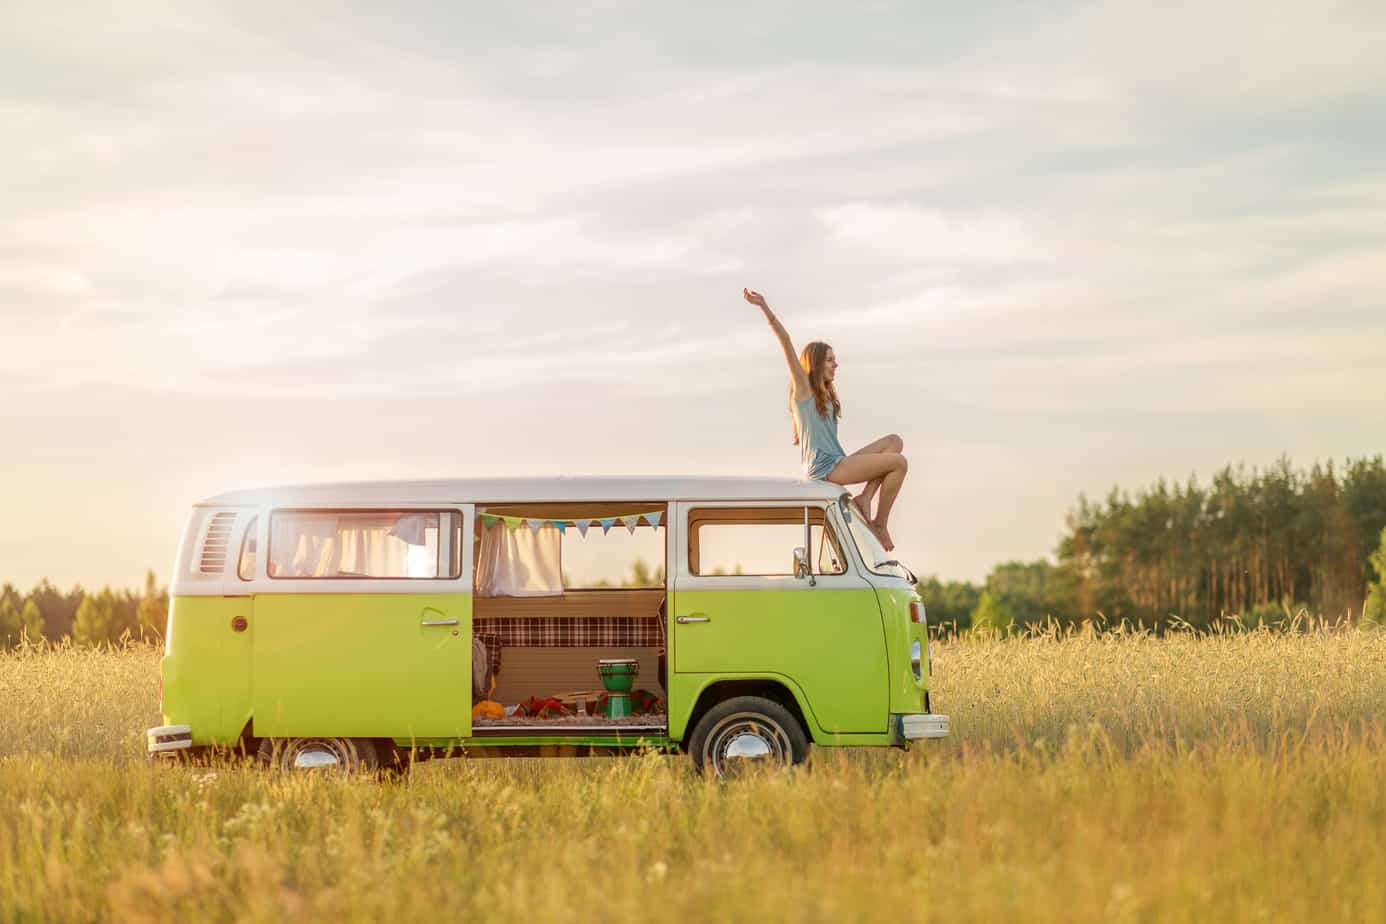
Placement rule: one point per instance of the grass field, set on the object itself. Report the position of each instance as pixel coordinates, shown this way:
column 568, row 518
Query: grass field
column 1119, row 777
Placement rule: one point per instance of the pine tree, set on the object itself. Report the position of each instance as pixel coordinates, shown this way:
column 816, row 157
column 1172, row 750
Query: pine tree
column 10, row 623
column 31, row 618
column 1375, row 610
column 96, row 619
column 152, row 614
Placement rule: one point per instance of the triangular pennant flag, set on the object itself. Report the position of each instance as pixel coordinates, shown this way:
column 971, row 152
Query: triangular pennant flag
column 562, row 526
column 512, row 523
column 630, row 523
column 653, row 518
column 607, row 523
column 582, row 526
column 535, row 524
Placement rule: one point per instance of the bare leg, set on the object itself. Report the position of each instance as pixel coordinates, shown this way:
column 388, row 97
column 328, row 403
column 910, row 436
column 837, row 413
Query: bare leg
column 887, row 467
column 889, row 443
column 890, row 488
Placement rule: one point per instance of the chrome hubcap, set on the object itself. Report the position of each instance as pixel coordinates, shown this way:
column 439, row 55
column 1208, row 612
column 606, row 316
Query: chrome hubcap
column 743, row 742
column 318, row 754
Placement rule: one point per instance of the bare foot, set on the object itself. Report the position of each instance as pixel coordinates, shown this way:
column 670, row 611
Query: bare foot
column 862, row 508
column 882, row 534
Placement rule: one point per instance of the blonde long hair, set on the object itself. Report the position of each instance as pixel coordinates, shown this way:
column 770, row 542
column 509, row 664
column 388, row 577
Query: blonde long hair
column 813, row 358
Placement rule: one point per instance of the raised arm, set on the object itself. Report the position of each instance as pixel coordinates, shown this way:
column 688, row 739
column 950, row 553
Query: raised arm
column 796, row 371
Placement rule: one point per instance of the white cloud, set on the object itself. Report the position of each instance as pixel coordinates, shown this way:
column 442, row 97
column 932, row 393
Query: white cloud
column 903, row 233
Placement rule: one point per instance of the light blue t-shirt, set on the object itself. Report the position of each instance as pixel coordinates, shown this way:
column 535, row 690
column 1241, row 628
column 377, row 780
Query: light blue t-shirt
column 818, row 443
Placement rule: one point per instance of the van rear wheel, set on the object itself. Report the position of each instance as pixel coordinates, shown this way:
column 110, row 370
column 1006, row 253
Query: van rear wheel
column 744, row 733
column 346, row 756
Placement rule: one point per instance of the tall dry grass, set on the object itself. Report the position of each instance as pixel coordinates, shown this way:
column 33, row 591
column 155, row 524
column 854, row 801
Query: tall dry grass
column 1090, row 778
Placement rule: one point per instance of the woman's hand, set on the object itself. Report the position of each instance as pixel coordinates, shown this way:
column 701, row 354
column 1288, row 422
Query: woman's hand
column 755, row 298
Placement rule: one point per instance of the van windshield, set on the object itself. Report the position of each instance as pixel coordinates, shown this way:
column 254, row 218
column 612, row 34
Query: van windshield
column 872, row 553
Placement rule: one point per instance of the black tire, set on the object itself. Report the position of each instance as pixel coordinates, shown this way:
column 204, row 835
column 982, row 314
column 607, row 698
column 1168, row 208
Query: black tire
column 747, row 731
column 347, row 756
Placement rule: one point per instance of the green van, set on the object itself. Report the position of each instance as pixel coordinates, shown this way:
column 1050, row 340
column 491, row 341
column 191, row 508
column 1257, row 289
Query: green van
column 361, row 625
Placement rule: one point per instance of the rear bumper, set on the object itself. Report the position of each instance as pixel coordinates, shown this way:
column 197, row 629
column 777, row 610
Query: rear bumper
column 168, row 739
column 913, row 726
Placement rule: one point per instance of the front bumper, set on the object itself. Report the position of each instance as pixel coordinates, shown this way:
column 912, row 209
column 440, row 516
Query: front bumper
column 168, row 739
column 912, row 726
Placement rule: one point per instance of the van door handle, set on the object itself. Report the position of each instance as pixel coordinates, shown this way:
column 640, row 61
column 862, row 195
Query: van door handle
column 439, row 622
column 696, row 617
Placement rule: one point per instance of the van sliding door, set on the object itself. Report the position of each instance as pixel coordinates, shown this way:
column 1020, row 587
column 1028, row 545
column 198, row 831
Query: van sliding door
column 363, row 626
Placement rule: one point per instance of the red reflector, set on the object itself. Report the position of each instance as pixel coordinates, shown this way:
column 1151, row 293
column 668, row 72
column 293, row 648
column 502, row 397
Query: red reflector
column 916, row 611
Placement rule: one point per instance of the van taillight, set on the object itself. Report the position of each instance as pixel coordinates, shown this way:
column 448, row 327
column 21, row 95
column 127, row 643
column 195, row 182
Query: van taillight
column 917, row 612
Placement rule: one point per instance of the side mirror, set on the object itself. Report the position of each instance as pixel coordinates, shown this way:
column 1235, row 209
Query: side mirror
column 844, row 504
column 802, row 568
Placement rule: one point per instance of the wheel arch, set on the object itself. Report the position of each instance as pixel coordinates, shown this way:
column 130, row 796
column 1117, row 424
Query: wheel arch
column 719, row 689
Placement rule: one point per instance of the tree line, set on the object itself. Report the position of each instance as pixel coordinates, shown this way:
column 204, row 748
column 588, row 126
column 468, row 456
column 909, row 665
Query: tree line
column 1257, row 545
column 88, row 618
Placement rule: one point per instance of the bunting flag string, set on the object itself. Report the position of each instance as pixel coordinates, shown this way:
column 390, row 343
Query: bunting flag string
column 630, row 521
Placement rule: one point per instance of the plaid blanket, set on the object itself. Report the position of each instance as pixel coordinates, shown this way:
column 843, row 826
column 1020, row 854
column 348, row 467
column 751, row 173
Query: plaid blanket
column 569, row 632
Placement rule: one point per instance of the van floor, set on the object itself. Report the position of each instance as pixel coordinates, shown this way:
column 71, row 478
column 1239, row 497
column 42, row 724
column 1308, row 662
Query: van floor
column 652, row 724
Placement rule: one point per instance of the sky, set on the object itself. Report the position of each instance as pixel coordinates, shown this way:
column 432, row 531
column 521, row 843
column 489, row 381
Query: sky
column 1056, row 247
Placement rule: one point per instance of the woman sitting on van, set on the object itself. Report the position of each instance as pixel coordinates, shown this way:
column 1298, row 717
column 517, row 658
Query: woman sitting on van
column 814, row 409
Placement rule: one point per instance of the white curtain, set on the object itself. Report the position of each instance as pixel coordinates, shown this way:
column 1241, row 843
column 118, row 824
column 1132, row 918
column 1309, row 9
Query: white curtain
column 520, row 562
column 354, row 545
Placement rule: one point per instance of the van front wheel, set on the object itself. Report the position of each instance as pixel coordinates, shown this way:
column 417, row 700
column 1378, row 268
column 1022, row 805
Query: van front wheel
column 329, row 755
column 746, row 732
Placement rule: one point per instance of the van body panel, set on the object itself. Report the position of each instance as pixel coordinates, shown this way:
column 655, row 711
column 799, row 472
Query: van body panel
column 829, row 641
column 206, row 668
column 363, row 665
column 906, row 693
column 824, row 635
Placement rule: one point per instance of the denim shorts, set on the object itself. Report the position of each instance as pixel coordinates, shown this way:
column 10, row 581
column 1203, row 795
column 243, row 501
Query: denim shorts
column 823, row 465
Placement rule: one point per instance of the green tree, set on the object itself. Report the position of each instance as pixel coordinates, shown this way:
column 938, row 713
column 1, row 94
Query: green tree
column 151, row 615
column 1375, row 609
column 11, row 624
column 949, row 604
column 641, row 575
column 97, row 619
column 59, row 609
column 991, row 614
column 31, row 617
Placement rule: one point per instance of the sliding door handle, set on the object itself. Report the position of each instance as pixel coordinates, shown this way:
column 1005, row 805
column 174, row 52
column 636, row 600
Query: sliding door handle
column 696, row 617
column 439, row 622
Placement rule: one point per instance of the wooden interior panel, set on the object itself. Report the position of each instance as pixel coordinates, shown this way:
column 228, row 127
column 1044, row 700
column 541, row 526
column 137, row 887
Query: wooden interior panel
column 632, row 602
column 541, row 672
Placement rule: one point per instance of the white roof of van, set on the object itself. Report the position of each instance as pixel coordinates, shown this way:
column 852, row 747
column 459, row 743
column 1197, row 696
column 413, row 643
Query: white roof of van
column 522, row 490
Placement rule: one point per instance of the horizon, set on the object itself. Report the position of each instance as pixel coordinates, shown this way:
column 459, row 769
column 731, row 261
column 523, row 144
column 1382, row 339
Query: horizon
column 261, row 246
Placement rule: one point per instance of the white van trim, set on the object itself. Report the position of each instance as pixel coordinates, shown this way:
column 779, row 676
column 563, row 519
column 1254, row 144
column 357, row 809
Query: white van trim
column 447, row 492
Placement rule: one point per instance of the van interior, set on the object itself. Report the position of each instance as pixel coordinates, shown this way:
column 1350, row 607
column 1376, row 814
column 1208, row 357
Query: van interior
column 569, row 619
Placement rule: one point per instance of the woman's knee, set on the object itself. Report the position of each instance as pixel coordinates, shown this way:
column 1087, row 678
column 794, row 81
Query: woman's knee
column 894, row 443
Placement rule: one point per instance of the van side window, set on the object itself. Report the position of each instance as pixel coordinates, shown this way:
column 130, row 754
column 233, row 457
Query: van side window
column 245, row 569
column 365, row 544
column 759, row 541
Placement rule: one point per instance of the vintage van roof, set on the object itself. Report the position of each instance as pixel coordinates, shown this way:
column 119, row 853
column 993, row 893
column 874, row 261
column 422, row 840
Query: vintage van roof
column 520, row 490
